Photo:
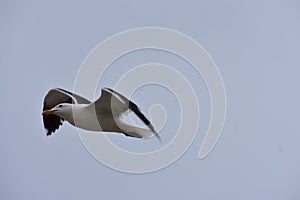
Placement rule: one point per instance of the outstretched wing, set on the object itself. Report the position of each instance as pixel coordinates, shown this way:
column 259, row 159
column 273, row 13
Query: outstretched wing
column 53, row 98
column 116, row 103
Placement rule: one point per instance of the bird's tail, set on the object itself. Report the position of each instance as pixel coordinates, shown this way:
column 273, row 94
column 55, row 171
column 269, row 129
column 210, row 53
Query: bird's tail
column 134, row 131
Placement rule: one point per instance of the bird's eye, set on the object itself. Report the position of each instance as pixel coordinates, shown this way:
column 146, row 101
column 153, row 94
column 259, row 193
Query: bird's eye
column 60, row 106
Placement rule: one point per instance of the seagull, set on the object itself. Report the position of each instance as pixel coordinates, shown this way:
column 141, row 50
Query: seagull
column 103, row 115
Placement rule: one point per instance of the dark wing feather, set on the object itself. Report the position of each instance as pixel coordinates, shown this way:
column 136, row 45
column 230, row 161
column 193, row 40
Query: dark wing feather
column 53, row 98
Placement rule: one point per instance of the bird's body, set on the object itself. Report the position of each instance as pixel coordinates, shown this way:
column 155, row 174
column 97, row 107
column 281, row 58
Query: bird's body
column 104, row 114
column 81, row 117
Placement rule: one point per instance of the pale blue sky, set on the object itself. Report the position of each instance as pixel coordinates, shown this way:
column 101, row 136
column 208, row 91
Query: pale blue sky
column 256, row 47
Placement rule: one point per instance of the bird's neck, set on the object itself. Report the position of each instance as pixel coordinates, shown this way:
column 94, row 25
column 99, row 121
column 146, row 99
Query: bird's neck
column 71, row 111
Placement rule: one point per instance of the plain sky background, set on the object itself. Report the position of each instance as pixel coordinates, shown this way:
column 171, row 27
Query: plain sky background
column 256, row 47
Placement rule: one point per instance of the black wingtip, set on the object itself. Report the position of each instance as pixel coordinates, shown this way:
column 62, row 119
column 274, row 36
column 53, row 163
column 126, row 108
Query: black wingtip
column 153, row 130
column 158, row 137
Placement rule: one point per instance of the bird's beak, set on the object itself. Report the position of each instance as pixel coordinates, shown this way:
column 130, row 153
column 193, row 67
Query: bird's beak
column 48, row 112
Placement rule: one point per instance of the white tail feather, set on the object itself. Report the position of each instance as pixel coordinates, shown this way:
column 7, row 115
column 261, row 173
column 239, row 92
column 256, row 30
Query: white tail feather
column 135, row 131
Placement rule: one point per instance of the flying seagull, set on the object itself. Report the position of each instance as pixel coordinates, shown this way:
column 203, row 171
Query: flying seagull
column 104, row 114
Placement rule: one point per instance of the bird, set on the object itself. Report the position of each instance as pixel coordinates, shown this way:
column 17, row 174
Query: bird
column 105, row 114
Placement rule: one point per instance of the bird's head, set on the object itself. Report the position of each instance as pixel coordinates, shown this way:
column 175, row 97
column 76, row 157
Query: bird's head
column 60, row 110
